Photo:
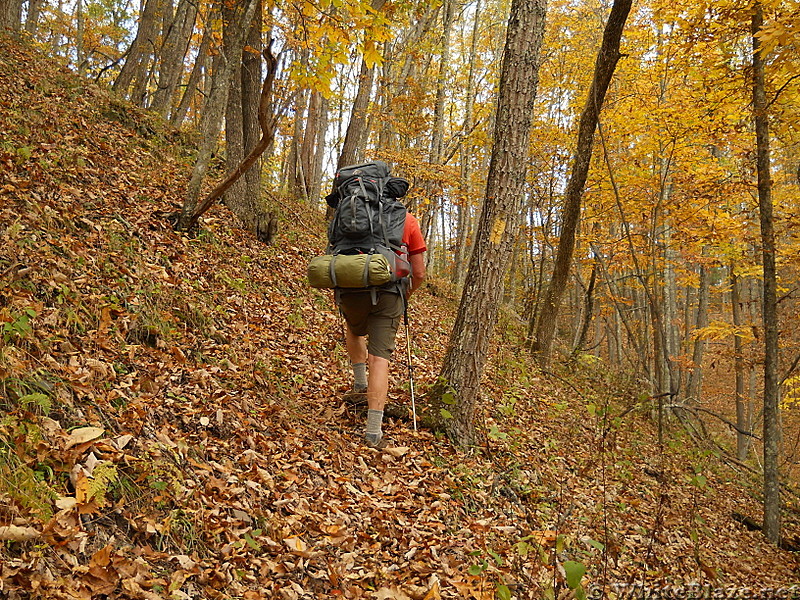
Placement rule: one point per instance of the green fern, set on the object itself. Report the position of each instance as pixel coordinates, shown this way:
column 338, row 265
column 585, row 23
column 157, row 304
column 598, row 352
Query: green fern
column 42, row 401
column 20, row 483
column 104, row 476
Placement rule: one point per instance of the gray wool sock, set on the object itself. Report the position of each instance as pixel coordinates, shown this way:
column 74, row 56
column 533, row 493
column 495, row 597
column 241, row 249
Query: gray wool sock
column 374, row 420
column 359, row 375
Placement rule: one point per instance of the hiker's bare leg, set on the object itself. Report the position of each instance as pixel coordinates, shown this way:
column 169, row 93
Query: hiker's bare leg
column 378, row 387
column 356, row 346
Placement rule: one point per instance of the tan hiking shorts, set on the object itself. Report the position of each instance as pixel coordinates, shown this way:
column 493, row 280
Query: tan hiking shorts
column 379, row 322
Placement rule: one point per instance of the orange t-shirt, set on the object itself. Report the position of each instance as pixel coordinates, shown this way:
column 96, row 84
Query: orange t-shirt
column 412, row 236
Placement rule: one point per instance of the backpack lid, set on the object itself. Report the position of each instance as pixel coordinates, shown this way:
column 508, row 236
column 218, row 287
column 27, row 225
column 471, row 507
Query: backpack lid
column 377, row 170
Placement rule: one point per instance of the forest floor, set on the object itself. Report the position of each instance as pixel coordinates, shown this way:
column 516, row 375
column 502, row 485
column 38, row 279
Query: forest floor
column 172, row 424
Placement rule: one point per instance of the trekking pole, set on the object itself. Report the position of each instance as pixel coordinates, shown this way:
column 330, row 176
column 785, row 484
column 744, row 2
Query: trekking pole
column 410, row 371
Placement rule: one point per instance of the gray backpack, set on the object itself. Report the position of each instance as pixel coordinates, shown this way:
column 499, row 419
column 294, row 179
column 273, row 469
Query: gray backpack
column 365, row 236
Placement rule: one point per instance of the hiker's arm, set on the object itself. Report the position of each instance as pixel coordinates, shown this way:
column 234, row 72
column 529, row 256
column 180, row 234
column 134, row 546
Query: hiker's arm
column 417, row 271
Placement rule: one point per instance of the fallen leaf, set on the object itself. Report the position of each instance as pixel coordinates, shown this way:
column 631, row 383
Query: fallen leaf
column 296, row 545
column 398, row 451
column 123, row 441
column 391, row 594
column 83, row 435
column 14, row 533
column 66, row 502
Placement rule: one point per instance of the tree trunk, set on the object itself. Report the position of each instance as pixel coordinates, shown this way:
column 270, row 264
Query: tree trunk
column 738, row 358
column 32, row 18
column 308, row 147
column 214, row 109
column 350, row 153
column 235, row 198
column 497, row 229
column 671, row 308
column 356, row 128
column 295, row 177
column 241, row 115
column 80, row 52
column 200, row 64
column 11, row 15
column 772, row 498
column 464, row 224
column 588, row 312
column 252, row 73
column 442, row 80
column 607, row 59
column 173, row 51
column 319, row 153
column 694, row 385
column 136, row 64
column 265, row 224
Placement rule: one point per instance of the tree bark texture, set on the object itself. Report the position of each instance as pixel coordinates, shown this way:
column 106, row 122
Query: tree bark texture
column 497, row 229
column 607, row 59
column 11, row 15
column 212, row 114
column 358, row 119
column 772, row 497
column 237, row 199
column 200, row 64
column 252, row 93
column 173, row 50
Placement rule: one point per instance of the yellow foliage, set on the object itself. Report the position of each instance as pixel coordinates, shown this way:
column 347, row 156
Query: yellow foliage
column 791, row 397
column 720, row 330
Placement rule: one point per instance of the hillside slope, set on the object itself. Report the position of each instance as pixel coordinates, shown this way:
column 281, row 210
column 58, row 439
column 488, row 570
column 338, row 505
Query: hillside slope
column 172, row 427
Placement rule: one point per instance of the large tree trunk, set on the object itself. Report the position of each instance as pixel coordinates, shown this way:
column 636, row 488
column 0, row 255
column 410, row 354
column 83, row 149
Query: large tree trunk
column 11, row 15
column 265, row 225
column 772, row 497
column 606, row 62
column 215, row 107
column 173, row 50
column 252, row 73
column 235, row 198
column 241, row 116
column 497, row 229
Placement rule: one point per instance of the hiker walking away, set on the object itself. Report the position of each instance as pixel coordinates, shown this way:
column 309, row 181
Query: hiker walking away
column 372, row 314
